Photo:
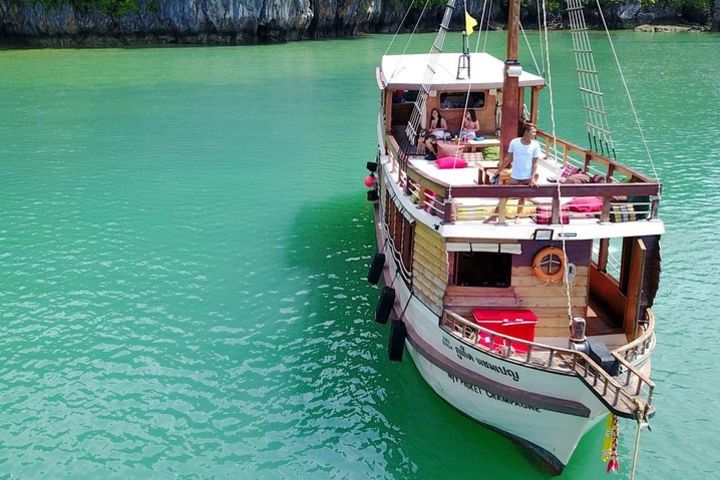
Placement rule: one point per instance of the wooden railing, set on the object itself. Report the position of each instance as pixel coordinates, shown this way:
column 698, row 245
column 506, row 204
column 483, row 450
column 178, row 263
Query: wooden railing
column 628, row 395
column 633, row 185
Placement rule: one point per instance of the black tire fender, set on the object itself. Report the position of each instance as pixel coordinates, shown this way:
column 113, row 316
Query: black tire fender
column 396, row 340
column 376, row 268
column 384, row 304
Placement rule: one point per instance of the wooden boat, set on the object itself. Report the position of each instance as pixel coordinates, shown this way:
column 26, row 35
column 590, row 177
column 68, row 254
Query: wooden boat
column 516, row 316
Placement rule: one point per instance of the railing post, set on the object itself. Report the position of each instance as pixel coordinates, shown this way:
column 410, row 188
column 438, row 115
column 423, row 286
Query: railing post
column 448, row 209
column 406, row 189
column 654, row 206
column 605, row 214
column 556, row 216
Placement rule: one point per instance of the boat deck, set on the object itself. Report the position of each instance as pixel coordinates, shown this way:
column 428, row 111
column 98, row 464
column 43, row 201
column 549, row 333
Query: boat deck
column 618, row 195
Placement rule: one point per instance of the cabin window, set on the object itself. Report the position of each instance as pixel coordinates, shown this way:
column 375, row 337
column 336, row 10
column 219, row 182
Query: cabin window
column 457, row 100
column 403, row 105
column 483, row 269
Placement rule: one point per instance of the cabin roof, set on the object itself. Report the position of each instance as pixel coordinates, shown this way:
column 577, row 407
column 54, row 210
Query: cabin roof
column 408, row 72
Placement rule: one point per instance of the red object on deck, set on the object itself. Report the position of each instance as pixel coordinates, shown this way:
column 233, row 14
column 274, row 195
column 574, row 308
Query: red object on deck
column 513, row 322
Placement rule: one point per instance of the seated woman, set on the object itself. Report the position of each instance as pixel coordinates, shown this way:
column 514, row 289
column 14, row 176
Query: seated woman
column 470, row 126
column 436, row 128
column 431, row 147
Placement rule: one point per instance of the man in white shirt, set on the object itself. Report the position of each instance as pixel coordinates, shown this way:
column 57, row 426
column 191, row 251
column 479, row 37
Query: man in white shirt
column 523, row 152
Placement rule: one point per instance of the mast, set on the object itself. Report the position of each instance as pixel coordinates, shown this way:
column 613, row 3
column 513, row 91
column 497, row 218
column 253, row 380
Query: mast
column 511, row 80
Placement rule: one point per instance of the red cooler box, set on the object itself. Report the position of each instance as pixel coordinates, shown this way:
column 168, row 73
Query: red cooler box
column 513, row 322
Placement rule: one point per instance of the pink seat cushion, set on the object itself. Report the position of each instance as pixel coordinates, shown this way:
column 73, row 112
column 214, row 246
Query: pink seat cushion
column 450, row 162
column 585, row 204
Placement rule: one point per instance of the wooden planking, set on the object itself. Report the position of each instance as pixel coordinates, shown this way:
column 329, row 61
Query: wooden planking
column 562, row 332
column 435, row 250
column 514, row 302
column 429, row 266
column 549, row 291
column 419, row 178
column 547, row 301
column 520, row 272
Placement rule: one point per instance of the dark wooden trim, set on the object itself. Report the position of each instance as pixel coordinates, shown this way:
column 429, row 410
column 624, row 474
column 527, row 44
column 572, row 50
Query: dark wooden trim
column 536, row 400
column 635, row 288
column 603, row 254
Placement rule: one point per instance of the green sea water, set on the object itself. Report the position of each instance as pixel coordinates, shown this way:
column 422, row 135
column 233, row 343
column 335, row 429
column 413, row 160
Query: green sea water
column 183, row 243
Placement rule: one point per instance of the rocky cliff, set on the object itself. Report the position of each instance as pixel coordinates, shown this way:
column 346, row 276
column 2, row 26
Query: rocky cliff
column 245, row 21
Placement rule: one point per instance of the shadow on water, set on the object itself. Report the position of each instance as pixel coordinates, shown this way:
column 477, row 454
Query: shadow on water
column 361, row 405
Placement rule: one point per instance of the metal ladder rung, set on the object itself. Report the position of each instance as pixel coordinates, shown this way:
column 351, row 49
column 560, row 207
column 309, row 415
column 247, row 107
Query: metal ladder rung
column 593, row 92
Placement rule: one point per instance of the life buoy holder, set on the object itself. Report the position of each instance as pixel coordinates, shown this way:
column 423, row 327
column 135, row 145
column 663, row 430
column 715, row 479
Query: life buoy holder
column 549, row 265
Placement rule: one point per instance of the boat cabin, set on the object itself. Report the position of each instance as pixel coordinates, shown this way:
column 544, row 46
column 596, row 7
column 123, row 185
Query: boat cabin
column 464, row 244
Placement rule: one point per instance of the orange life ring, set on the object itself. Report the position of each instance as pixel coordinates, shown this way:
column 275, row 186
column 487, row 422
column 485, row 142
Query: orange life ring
column 549, row 264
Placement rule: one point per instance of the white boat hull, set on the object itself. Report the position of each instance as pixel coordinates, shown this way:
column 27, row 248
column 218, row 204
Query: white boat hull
column 547, row 412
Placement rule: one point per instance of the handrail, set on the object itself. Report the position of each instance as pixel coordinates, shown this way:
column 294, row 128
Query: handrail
column 643, row 340
column 624, row 399
column 589, row 155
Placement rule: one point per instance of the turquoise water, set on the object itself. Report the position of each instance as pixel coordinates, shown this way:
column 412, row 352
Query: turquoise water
column 183, row 245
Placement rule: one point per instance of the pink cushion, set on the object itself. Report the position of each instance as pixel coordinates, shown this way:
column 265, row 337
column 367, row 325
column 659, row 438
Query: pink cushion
column 569, row 170
column 585, row 204
column 450, row 162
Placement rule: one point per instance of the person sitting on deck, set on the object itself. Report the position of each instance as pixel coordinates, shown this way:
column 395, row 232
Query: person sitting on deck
column 437, row 127
column 523, row 153
column 431, row 147
column 470, row 126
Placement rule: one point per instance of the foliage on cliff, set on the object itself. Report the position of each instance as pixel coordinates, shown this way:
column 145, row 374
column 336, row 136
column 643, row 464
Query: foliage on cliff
column 112, row 7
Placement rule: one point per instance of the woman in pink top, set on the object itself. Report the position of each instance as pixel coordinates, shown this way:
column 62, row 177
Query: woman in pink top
column 469, row 126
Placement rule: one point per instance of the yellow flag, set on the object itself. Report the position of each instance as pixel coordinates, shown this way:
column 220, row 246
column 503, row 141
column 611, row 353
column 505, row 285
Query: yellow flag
column 470, row 22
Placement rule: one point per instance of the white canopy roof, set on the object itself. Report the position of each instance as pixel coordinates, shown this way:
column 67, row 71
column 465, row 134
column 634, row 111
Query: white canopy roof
column 408, row 72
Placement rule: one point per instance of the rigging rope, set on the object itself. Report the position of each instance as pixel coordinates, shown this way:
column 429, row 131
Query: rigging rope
column 532, row 55
column 407, row 44
column 402, row 22
column 412, row 34
column 553, row 151
column 627, row 92
column 480, row 25
column 542, row 52
column 487, row 27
